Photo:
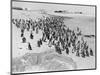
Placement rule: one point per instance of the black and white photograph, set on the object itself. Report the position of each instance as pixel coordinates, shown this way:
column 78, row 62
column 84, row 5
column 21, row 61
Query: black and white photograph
column 52, row 37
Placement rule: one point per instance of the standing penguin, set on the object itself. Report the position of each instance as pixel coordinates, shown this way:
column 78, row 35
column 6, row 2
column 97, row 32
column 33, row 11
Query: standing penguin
column 29, row 46
column 67, row 50
column 23, row 40
column 22, row 32
column 58, row 50
column 83, row 54
column 87, row 53
column 91, row 52
column 38, row 43
column 31, row 36
column 77, row 53
column 22, row 35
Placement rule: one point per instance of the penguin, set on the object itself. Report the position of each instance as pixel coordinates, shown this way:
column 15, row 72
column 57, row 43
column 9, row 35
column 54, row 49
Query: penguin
column 22, row 35
column 67, row 50
column 29, row 46
column 23, row 40
column 83, row 54
column 58, row 50
column 31, row 36
column 77, row 53
column 91, row 52
column 87, row 53
column 38, row 43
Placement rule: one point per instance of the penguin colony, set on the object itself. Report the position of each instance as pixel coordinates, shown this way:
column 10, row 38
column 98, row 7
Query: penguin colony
column 57, row 33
